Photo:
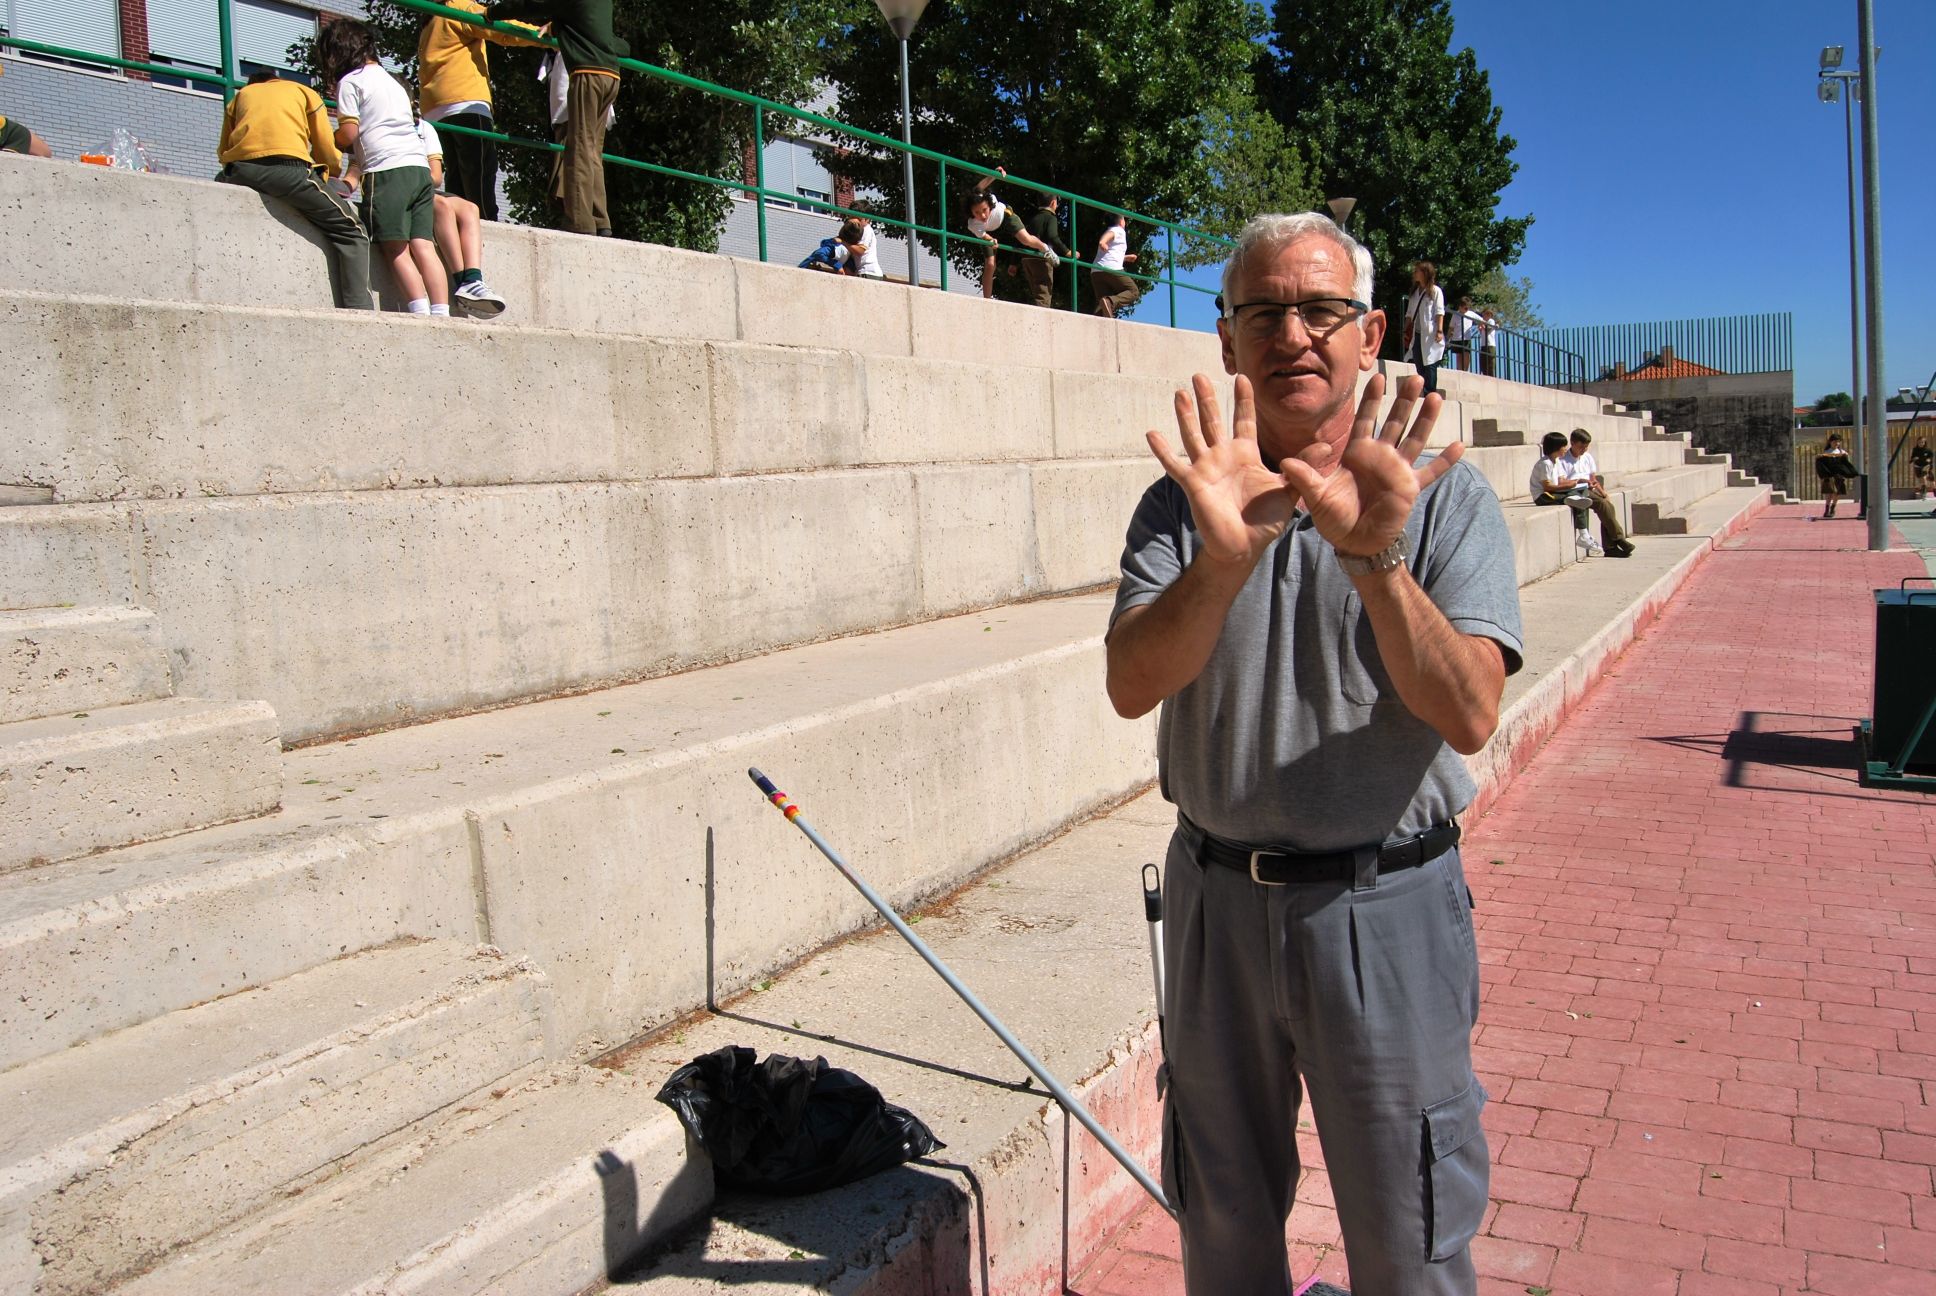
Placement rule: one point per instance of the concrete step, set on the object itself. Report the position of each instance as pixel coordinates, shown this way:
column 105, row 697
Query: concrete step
column 118, row 1150
column 575, row 832
column 56, row 661
column 64, row 230
column 535, row 1191
column 463, row 598
column 85, row 782
column 178, row 415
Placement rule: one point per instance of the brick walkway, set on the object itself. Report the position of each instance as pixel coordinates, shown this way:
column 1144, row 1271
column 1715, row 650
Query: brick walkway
column 1710, row 994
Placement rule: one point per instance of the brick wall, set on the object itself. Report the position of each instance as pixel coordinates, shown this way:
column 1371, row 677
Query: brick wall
column 76, row 112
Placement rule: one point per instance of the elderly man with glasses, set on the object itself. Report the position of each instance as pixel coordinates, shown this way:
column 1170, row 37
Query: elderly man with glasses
column 1327, row 620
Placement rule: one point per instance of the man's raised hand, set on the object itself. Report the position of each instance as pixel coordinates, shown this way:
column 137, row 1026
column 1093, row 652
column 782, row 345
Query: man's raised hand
column 1362, row 506
column 1240, row 506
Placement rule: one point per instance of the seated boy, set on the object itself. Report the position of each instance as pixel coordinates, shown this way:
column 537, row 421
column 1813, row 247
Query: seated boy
column 275, row 140
column 459, row 236
column 1551, row 484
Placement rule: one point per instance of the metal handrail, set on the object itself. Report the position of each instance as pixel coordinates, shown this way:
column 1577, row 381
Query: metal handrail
column 758, row 190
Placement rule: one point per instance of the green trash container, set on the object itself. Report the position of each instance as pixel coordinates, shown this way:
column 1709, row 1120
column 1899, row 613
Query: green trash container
column 1901, row 736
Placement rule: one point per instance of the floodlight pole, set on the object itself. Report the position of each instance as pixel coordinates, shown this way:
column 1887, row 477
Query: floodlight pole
column 1855, row 267
column 907, row 169
column 1878, row 413
column 902, row 17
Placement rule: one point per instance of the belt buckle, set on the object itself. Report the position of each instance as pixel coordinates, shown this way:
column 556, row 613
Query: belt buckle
column 1253, row 870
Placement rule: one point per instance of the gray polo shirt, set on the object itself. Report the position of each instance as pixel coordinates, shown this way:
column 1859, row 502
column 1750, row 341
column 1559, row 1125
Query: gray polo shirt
column 1293, row 734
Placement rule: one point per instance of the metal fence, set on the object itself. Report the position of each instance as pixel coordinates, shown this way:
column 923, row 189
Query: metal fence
column 1731, row 344
column 1809, row 442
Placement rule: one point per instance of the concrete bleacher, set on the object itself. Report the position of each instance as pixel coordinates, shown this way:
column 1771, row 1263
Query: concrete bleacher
column 377, row 698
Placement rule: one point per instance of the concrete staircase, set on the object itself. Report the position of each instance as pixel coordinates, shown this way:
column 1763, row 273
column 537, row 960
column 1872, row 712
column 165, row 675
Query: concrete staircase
column 385, row 1011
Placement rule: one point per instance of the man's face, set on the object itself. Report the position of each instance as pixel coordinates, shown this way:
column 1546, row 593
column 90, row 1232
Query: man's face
column 980, row 208
column 1302, row 382
column 1578, row 447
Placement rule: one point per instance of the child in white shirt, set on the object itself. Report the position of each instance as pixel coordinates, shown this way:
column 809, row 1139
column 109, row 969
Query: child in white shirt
column 375, row 117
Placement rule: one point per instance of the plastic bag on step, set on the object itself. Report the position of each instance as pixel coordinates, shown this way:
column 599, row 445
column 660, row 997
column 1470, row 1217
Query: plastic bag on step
column 124, row 152
column 789, row 1126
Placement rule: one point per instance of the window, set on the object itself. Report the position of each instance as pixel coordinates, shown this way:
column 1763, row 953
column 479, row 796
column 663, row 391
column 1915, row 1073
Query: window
column 91, row 26
column 815, row 193
column 187, row 33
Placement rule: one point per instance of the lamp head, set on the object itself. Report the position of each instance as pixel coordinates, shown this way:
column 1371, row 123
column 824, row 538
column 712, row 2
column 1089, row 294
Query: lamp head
column 1831, row 56
column 902, row 15
column 1341, row 209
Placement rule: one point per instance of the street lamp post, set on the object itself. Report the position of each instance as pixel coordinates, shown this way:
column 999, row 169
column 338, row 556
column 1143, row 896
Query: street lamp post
column 902, row 17
column 1878, row 422
column 1833, row 85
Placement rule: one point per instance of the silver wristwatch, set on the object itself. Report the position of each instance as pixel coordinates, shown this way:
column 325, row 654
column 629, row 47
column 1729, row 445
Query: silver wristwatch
column 1392, row 555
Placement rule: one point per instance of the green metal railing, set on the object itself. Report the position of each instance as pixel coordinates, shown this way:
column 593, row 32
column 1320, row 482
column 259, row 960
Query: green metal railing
column 758, row 191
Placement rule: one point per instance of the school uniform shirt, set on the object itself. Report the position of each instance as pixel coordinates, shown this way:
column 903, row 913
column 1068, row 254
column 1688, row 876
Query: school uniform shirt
column 278, row 119
column 1109, row 254
column 433, row 146
column 453, row 63
column 868, row 262
column 1547, row 476
column 583, row 28
column 386, row 127
column 1578, row 466
column 1423, row 310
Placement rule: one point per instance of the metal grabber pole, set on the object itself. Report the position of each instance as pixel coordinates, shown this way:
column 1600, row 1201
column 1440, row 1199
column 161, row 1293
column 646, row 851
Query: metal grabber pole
column 1062, row 1096
column 1153, row 914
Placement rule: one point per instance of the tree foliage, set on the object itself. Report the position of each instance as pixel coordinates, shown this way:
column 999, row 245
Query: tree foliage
column 1511, row 299
column 1144, row 104
column 773, row 48
column 1395, row 118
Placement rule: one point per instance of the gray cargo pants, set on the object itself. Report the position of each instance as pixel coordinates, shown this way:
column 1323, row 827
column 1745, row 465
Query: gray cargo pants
column 1364, row 994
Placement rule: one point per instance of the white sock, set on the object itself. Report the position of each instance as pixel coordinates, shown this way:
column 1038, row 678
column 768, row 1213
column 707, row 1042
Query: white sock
column 419, row 306
column 440, row 308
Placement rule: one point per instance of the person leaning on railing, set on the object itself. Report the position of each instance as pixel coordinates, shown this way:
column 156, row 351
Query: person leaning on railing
column 1036, row 272
column 997, row 226
column 1488, row 342
column 591, row 51
column 276, row 140
column 454, row 88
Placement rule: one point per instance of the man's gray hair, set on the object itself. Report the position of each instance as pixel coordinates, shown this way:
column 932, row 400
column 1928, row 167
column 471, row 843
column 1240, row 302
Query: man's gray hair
column 1265, row 234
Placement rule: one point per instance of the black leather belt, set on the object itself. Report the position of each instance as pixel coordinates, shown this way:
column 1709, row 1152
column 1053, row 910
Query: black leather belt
column 1281, row 868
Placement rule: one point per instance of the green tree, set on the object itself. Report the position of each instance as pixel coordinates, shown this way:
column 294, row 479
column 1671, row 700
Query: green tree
column 1144, row 104
column 1511, row 299
column 773, row 48
column 1396, row 119
column 1835, row 401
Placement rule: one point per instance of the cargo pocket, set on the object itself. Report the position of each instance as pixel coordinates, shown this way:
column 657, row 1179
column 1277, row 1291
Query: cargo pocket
column 1173, row 1178
column 1455, row 1150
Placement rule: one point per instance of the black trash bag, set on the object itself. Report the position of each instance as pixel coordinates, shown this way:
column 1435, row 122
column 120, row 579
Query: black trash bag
column 789, row 1126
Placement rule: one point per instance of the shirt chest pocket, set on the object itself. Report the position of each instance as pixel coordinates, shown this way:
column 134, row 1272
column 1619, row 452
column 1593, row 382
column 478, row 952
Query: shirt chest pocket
column 1361, row 673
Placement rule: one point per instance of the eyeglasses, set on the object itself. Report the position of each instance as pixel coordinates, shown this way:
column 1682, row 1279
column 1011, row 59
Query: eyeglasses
column 1319, row 315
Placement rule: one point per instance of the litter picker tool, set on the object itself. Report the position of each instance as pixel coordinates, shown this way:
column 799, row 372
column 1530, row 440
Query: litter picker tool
column 1063, row 1097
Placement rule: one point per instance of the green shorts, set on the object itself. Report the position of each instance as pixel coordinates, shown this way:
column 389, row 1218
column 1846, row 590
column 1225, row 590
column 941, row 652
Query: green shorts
column 397, row 205
column 14, row 137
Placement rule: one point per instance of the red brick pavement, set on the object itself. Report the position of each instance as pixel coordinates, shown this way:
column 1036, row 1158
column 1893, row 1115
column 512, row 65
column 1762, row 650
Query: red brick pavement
column 1709, row 969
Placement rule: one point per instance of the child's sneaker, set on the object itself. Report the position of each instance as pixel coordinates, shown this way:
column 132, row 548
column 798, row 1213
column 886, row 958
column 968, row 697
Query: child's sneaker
column 479, row 302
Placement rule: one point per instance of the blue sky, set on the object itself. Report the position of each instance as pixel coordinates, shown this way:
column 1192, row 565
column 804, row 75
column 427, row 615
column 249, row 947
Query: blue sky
column 1678, row 164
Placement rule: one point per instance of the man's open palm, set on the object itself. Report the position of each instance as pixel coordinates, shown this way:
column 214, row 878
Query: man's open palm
column 1361, row 507
column 1240, row 506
